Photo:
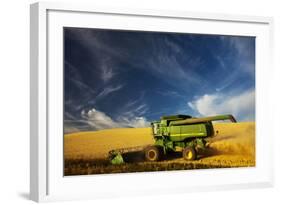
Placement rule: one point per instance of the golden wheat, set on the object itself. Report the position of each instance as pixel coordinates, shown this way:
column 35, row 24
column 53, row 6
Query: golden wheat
column 234, row 145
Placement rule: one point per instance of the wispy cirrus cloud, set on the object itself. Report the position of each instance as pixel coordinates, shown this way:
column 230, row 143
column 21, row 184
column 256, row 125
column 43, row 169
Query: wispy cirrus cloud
column 173, row 63
column 95, row 40
column 170, row 93
column 107, row 73
column 99, row 96
column 98, row 45
column 108, row 90
column 221, row 61
column 242, row 52
column 106, row 67
column 134, row 107
column 161, row 56
column 76, row 78
column 234, row 58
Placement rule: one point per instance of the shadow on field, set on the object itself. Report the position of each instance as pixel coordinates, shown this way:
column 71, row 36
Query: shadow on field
column 137, row 157
column 134, row 157
column 172, row 156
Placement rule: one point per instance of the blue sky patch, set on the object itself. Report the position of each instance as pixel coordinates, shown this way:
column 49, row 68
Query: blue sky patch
column 115, row 78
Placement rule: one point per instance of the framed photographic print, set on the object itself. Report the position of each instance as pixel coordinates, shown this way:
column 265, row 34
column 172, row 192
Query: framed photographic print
column 123, row 97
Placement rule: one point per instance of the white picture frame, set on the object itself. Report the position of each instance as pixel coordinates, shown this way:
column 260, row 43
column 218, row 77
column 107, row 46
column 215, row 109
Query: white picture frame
column 47, row 182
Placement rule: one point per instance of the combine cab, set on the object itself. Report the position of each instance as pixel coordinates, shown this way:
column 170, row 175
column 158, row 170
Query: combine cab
column 176, row 133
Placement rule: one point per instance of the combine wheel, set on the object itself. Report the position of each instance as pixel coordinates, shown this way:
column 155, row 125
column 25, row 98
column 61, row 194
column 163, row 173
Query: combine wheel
column 152, row 153
column 189, row 153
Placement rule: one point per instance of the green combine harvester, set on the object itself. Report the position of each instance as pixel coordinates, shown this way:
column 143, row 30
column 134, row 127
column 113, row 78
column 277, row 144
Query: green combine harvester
column 176, row 133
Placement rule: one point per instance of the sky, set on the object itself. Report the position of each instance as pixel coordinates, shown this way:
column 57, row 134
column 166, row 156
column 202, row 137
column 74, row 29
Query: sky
column 115, row 78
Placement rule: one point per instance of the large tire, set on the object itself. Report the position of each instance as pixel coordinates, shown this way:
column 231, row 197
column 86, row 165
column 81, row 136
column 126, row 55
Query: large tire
column 152, row 153
column 189, row 153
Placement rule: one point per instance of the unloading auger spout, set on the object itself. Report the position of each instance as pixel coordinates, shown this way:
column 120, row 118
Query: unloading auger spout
column 189, row 121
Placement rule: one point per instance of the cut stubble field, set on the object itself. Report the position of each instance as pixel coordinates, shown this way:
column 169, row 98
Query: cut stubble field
column 87, row 152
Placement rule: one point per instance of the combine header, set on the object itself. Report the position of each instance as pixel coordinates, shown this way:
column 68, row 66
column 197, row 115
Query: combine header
column 176, row 133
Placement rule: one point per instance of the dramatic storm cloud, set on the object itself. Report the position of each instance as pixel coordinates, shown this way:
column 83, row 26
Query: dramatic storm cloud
column 115, row 78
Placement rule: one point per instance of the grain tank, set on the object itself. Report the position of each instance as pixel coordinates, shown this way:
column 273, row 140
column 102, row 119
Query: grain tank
column 181, row 133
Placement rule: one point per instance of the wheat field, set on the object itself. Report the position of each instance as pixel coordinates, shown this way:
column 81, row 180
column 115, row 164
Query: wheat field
column 87, row 152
